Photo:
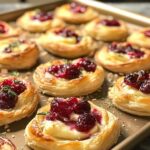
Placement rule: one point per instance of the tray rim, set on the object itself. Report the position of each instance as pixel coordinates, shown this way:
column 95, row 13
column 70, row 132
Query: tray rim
column 13, row 14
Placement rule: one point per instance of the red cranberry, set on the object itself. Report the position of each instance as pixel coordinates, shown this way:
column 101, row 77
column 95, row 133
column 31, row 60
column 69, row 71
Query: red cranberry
column 85, row 122
column 8, row 98
column 82, row 107
column 97, row 116
column 2, row 28
column 145, row 87
column 68, row 33
column 43, row 16
column 61, row 109
column 147, row 33
column 87, row 64
column 138, row 80
column 126, row 49
column 77, row 8
column 110, row 22
column 67, row 71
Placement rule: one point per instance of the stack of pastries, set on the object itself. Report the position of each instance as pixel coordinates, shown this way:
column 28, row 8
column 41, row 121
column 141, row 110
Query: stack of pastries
column 77, row 67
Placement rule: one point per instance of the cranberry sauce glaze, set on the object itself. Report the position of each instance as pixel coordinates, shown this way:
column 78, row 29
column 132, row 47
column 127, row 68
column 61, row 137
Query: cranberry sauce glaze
column 77, row 8
column 72, row 70
column 127, row 49
column 110, row 22
column 62, row 109
column 139, row 80
column 64, row 32
column 9, row 91
column 42, row 16
column 147, row 33
column 2, row 28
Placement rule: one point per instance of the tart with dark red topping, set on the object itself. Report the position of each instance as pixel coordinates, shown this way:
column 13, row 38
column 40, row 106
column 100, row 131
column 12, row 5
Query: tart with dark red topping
column 66, row 42
column 18, row 99
column 76, row 13
column 107, row 29
column 123, row 57
column 72, row 120
column 38, row 21
column 6, row 31
column 132, row 93
column 140, row 38
column 71, row 75
column 22, row 53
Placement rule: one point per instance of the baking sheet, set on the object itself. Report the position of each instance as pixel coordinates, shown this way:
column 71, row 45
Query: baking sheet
column 130, row 124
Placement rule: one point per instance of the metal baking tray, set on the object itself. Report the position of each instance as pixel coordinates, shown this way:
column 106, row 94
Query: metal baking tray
column 133, row 128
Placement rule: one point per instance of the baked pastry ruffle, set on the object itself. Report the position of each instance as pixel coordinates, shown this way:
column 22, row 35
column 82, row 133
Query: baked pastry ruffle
column 66, row 42
column 140, row 38
column 45, row 133
column 64, row 78
column 123, row 58
column 18, row 99
column 134, row 97
column 38, row 21
column 107, row 29
column 76, row 13
column 18, row 54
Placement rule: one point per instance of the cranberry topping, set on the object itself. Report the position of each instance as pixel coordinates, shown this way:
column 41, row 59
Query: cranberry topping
column 62, row 109
column 139, row 80
column 82, row 107
column 97, row 116
column 42, row 16
column 2, row 28
column 67, row 71
column 9, row 91
column 126, row 49
column 87, row 64
column 147, row 33
column 72, row 71
column 110, row 22
column 68, row 33
column 85, row 122
column 77, row 8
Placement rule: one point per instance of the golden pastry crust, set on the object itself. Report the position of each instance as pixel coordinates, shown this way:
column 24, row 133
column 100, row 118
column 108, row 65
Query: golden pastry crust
column 25, row 106
column 106, row 135
column 6, row 144
column 9, row 31
column 129, row 99
column 121, row 63
column 64, row 12
column 30, row 25
column 24, row 55
column 106, row 33
column 66, row 47
column 51, row 85
column 138, row 38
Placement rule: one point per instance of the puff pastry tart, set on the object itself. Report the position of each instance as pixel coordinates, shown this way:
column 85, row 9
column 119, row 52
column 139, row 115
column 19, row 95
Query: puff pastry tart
column 7, row 31
column 22, row 53
column 66, row 42
column 72, row 124
column 140, row 38
column 76, row 13
column 6, row 144
column 18, row 99
column 38, row 21
column 132, row 93
column 61, row 78
column 107, row 29
column 123, row 57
